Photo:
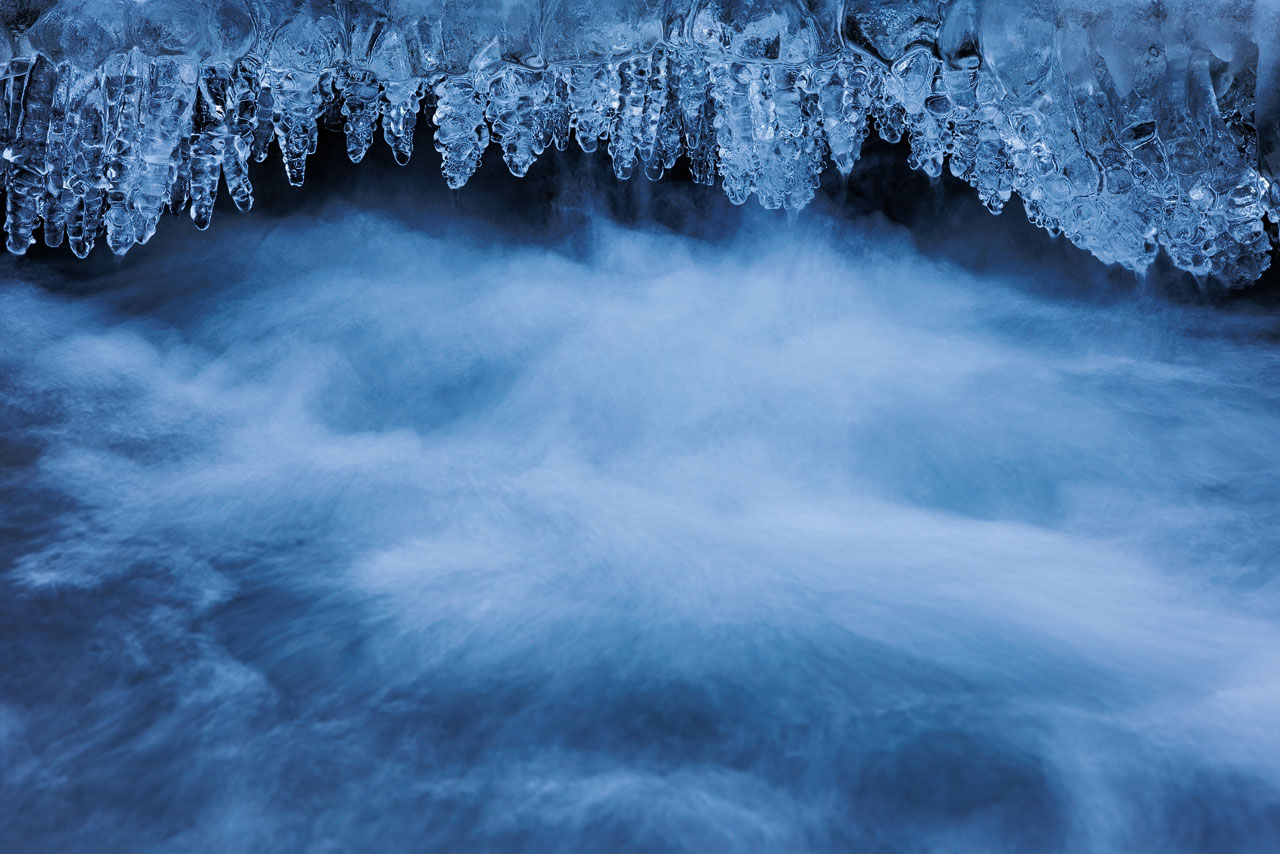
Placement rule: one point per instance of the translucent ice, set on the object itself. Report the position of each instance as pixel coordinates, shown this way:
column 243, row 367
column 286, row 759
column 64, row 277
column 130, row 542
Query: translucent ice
column 1129, row 127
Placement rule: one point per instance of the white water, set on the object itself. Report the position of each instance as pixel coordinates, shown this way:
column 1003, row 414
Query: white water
column 796, row 540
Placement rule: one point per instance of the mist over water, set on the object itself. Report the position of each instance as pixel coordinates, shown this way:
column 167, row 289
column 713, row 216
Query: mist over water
column 378, row 525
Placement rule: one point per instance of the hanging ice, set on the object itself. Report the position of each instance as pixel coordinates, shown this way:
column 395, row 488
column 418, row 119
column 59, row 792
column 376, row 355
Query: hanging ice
column 1127, row 126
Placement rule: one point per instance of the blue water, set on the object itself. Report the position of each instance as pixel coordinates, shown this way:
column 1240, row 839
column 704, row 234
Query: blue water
column 340, row 532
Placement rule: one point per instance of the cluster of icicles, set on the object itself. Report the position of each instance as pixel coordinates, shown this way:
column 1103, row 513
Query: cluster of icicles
column 1111, row 131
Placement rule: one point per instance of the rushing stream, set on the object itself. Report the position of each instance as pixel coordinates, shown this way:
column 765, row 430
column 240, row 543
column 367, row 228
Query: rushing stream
column 392, row 527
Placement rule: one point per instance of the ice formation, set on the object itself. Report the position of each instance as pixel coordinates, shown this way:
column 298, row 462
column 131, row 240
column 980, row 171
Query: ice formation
column 1126, row 126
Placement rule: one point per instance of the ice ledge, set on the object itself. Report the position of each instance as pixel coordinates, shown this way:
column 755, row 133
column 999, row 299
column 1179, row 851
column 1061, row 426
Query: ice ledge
column 1126, row 127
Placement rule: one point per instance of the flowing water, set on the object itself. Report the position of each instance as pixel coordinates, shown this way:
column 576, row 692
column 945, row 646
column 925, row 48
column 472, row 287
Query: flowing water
column 358, row 530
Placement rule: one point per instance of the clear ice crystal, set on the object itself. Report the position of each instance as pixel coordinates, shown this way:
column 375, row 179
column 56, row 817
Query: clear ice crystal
column 1129, row 127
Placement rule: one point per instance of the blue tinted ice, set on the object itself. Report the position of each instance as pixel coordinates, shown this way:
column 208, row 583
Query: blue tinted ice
column 1126, row 126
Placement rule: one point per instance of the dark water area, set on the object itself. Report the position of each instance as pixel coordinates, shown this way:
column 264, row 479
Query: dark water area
column 559, row 514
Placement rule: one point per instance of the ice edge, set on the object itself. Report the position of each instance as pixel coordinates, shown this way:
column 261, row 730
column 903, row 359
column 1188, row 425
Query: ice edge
column 1116, row 127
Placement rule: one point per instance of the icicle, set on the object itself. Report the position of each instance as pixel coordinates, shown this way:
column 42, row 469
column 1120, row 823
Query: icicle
column 661, row 144
column 735, row 89
column 59, row 197
column 698, row 116
column 26, row 184
column 264, row 129
column 593, row 96
column 627, row 132
column 242, row 127
column 401, row 102
column 86, row 143
column 461, row 132
column 166, row 117
column 123, row 91
column 516, row 110
column 559, row 113
column 15, row 85
column 208, row 139
column 843, row 105
column 360, row 92
column 298, row 106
